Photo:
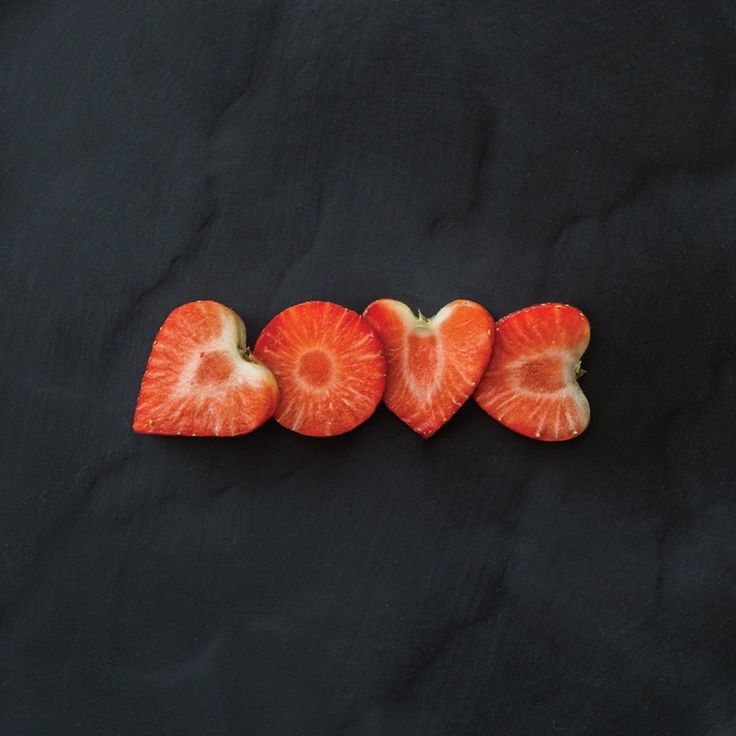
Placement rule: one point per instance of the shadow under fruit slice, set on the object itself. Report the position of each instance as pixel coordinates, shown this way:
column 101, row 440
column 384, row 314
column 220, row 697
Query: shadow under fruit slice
column 530, row 385
column 434, row 363
column 329, row 367
column 201, row 380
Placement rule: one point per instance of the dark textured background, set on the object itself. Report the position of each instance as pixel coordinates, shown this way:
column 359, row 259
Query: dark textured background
column 153, row 152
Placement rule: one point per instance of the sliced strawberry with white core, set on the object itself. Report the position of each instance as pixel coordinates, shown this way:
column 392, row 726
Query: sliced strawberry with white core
column 433, row 363
column 329, row 366
column 201, row 380
column 530, row 385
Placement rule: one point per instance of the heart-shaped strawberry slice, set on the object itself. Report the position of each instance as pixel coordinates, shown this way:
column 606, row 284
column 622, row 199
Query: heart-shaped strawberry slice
column 531, row 385
column 201, row 380
column 434, row 363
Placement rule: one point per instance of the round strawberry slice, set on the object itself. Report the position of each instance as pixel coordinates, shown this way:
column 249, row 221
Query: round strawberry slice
column 329, row 366
column 201, row 380
column 434, row 363
column 530, row 385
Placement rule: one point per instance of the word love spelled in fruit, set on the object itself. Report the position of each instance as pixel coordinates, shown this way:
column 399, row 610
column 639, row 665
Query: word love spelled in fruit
column 321, row 369
column 329, row 366
column 530, row 385
column 201, row 379
column 434, row 363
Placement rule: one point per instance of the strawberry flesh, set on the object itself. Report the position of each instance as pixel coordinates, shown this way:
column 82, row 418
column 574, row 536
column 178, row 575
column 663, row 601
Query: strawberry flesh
column 329, row 367
column 201, row 380
column 530, row 385
column 434, row 363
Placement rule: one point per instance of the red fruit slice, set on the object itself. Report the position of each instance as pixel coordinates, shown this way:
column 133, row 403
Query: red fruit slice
column 530, row 385
column 329, row 366
column 433, row 363
column 201, row 380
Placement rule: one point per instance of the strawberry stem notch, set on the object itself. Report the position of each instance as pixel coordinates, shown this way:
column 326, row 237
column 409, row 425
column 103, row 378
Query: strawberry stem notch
column 247, row 354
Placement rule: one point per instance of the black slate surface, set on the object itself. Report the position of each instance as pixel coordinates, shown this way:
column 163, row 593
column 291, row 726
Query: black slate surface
column 153, row 152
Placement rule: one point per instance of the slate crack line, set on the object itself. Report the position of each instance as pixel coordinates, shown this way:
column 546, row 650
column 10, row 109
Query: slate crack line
column 64, row 525
column 440, row 224
column 628, row 196
column 710, row 167
column 195, row 244
column 311, row 247
column 484, row 612
column 192, row 247
column 266, row 31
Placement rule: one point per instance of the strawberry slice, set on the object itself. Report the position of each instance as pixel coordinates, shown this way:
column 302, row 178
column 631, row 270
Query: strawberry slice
column 201, row 380
column 530, row 385
column 433, row 363
column 329, row 366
